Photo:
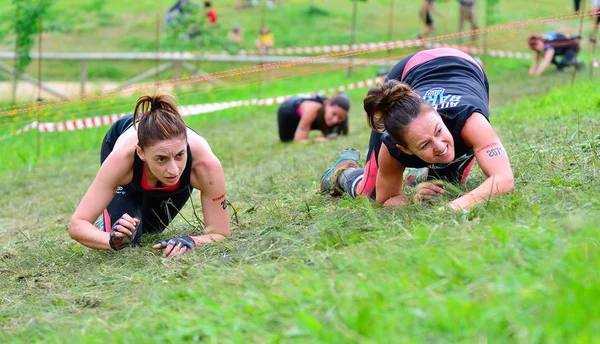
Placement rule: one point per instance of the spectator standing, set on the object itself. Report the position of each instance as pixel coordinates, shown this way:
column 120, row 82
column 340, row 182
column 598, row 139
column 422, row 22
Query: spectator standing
column 235, row 38
column 467, row 13
column 595, row 12
column 211, row 14
column 426, row 11
column 265, row 40
column 178, row 6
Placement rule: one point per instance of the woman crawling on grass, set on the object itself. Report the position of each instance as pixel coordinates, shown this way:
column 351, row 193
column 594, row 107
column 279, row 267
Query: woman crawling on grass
column 299, row 115
column 150, row 164
column 431, row 115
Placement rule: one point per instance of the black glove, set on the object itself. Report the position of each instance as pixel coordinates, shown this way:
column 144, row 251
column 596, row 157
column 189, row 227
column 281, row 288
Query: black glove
column 117, row 243
column 186, row 241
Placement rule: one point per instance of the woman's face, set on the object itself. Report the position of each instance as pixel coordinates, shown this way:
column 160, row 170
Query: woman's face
column 428, row 138
column 334, row 115
column 166, row 159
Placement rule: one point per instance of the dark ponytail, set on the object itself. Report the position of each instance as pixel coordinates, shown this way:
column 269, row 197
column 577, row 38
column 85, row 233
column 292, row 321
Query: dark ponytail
column 157, row 119
column 392, row 107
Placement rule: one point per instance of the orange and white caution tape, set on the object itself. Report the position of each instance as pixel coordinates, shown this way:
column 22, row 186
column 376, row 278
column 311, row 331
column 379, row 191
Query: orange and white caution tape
column 336, row 48
column 187, row 110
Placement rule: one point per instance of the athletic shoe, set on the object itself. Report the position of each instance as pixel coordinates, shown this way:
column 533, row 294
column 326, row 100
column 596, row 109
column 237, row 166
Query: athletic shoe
column 415, row 176
column 348, row 158
column 580, row 64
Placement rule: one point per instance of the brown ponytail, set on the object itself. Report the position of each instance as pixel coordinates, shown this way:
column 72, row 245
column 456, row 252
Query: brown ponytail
column 157, row 119
column 392, row 107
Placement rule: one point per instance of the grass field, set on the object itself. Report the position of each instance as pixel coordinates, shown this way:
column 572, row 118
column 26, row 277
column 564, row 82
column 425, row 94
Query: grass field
column 303, row 267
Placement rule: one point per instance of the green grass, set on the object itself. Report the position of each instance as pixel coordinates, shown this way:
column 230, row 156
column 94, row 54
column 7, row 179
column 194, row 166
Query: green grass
column 303, row 267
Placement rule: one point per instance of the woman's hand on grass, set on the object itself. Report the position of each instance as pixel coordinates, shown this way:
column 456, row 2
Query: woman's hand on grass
column 427, row 192
column 175, row 246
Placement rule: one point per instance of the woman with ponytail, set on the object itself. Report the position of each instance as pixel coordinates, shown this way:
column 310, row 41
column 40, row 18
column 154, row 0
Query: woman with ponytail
column 430, row 121
column 150, row 164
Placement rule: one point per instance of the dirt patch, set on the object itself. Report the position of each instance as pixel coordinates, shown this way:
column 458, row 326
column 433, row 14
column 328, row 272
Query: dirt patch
column 27, row 91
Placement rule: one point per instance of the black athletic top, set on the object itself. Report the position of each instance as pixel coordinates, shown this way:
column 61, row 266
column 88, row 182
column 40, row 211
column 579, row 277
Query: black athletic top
column 559, row 42
column 290, row 116
column 295, row 102
column 456, row 88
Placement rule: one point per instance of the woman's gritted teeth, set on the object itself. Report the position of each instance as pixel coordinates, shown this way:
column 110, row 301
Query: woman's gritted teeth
column 444, row 152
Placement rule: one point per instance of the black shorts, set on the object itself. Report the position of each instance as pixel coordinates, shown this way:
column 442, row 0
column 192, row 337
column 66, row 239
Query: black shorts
column 155, row 212
column 288, row 120
column 428, row 19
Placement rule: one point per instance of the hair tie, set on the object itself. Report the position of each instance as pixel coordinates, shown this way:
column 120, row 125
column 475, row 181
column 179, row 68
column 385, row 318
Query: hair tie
column 156, row 106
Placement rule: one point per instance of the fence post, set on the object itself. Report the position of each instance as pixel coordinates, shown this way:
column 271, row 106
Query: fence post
column 390, row 34
column 82, row 76
column 16, row 70
column 352, row 34
column 156, row 62
column 176, row 65
column 39, row 97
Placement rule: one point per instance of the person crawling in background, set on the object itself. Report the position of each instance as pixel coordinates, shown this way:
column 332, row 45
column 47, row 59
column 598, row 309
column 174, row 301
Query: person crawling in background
column 297, row 116
column 554, row 48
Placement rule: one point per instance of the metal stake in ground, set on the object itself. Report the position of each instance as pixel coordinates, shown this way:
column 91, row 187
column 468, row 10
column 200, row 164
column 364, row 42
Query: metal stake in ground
column 39, row 97
column 156, row 62
column 594, row 38
column 261, row 51
column 390, row 33
column 352, row 32
column 581, row 15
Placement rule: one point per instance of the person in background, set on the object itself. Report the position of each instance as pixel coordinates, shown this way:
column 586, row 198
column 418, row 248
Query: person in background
column 211, row 14
column 299, row 115
column 178, row 6
column 235, row 38
column 551, row 46
column 595, row 13
column 425, row 12
column 265, row 40
column 467, row 13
